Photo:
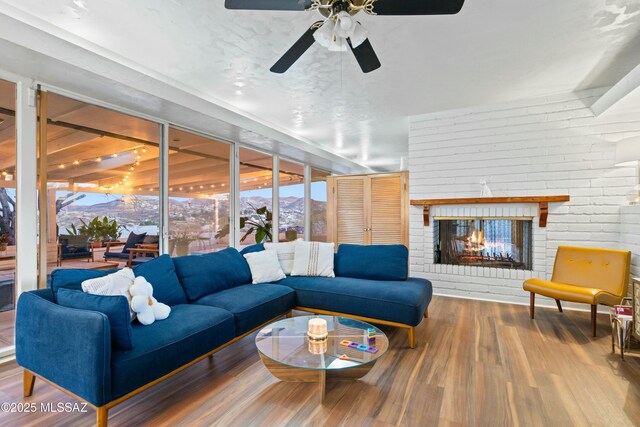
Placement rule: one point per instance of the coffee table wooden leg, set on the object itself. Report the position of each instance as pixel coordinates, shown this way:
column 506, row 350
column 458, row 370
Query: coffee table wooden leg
column 323, row 383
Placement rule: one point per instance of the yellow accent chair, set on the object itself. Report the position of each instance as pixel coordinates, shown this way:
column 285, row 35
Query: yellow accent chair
column 585, row 275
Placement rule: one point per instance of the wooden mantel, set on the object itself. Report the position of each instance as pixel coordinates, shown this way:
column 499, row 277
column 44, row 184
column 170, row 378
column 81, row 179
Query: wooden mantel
column 542, row 201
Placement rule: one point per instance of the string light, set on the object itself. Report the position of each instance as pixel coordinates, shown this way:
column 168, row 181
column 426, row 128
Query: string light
column 61, row 166
column 98, row 159
column 114, row 155
column 76, row 162
column 135, row 151
column 144, row 149
column 4, row 173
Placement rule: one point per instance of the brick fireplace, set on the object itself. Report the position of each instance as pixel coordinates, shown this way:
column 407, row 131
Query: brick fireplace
column 497, row 271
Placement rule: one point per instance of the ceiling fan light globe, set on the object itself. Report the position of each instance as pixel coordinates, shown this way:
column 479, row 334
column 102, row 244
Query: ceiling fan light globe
column 344, row 24
column 325, row 34
column 359, row 35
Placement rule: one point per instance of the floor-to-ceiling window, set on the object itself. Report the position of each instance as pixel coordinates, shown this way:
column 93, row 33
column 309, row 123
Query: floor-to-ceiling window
column 318, row 205
column 8, row 214
column 256, row 192
column 199, row 176
column 101, row 169
column 291, row 191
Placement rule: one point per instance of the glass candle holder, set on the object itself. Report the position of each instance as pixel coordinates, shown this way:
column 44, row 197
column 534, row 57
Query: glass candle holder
column 317, row 329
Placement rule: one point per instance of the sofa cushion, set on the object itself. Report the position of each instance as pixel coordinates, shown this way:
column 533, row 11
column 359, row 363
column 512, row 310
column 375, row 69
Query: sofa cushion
column 374, row 262
column 188, row 333
column 115, row 307
column 74, row 247
column 395, row 301
column 161, row 273
column 286, row 253
column 201, row 275
column 133, row 240
column 72, row 278
column 313, row 259
column 252, row 305
column 265, row 267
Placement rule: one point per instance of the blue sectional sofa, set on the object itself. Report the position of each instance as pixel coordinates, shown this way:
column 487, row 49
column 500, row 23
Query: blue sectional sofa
column 213, row 304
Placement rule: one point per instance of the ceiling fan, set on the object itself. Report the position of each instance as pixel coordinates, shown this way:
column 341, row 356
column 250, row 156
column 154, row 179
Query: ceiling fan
column 339, row 29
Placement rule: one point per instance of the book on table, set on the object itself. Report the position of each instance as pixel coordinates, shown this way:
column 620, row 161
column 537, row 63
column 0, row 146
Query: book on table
column 623, row 311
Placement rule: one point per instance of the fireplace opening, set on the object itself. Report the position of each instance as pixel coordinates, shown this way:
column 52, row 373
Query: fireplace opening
column 484, row 242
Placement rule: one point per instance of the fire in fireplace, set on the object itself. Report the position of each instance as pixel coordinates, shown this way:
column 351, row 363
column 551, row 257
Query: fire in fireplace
column 483, row 242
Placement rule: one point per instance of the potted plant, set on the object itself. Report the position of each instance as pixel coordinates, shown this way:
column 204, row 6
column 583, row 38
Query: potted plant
column 4, row 241
column 181, row 235
column 98, row 230
column 261, row 226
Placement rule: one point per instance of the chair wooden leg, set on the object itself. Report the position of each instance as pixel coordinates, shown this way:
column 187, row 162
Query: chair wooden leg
column 412, row 337
column 559, row 305
column 102, row 416
column 426, row 313
column 532, row 304
column 594, row 312
column 29, row 381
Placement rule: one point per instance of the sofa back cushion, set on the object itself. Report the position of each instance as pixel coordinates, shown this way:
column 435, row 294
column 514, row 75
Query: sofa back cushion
column 374, row 262
column 116, row 308
column 201, row 275
column 133, row 240
column 72, row 278
column 161, row 273
column 258, row 247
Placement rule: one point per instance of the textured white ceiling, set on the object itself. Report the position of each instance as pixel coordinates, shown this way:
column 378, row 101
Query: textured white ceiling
column 494, row 50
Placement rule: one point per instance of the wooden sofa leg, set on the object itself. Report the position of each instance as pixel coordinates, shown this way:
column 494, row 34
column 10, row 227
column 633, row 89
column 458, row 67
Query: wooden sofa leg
column 559, row 305
column 426, row 313
column 102, row 416
column 594, row 312
column 29, row 381
column 532, row 304
column 412, row 337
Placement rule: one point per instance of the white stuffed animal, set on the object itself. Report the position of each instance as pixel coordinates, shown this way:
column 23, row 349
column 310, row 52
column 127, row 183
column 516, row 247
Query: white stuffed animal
column 144, row 304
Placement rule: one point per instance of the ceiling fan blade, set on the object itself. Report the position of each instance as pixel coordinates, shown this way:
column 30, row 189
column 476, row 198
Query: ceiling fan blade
column 267, row 4
column 417, row 7
column 296, row 51
column 365, row 56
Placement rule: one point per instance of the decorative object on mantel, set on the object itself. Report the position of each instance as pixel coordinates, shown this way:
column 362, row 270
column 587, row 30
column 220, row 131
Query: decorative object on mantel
column 542, row 201
column 628, row 154
column 486, row 191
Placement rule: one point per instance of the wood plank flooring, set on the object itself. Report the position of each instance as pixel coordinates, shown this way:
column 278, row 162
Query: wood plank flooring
column 476, row 363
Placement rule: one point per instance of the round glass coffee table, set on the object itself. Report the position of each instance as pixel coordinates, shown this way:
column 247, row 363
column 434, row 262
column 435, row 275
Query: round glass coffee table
column 346, row 354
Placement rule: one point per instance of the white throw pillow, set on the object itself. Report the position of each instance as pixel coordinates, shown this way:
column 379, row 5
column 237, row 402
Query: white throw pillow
column 313, row 259
column 285, row 251
column 264, row 266
column 117, row 283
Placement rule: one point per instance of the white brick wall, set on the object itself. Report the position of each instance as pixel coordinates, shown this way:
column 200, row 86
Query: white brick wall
column 630, row 235
column 545, row 146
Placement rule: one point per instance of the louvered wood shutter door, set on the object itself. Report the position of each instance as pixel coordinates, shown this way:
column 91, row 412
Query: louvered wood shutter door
column 386, row 210
column 350, row 210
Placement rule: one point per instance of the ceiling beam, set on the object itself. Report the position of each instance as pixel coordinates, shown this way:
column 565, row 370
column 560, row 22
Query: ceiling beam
column 617, row 92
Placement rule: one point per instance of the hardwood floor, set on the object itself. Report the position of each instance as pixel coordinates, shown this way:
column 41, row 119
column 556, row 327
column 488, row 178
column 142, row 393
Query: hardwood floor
column 476, row 363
